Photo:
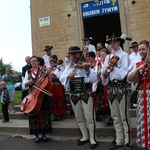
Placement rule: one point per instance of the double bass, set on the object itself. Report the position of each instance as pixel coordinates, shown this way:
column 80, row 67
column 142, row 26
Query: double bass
column 31, row 104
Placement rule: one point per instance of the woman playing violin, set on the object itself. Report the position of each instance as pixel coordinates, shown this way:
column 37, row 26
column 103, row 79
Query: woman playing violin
column 41, row 122
column 57, row 90
column 142, row 71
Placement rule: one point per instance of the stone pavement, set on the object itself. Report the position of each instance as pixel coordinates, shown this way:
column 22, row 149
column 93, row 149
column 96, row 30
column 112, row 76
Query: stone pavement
column 17, row 142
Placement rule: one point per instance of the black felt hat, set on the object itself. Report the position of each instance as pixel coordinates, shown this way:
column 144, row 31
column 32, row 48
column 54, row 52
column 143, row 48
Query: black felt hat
column 88, row 39
column 75, row 49
column 134, row 44
column 114, row 37
column 48, row 48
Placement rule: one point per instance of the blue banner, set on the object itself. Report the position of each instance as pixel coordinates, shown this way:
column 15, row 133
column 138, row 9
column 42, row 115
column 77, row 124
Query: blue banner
column 90, row 9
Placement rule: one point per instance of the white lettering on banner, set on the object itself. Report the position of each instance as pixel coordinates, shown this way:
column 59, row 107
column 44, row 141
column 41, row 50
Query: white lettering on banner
column 105, row 10
column 86, row 5
column 102, row 2
column 106, row 1
column 92, row 12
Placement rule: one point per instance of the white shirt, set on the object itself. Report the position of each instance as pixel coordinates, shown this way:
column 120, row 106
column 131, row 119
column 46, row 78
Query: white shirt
column 120, row 69
column 46, row 60
column 134, row 58
column 80, row 72
column 94, row 86
column 66, row 61
column 91, row 48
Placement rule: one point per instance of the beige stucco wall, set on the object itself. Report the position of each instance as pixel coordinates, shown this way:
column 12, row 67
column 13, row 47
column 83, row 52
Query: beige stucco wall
column 66, row 31
column 63, row 30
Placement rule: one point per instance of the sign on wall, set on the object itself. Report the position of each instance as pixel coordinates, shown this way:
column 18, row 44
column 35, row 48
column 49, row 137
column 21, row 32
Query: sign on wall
column 45, row 21
column 90, row 9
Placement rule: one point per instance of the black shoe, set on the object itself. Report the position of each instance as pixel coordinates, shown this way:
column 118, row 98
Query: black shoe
column 58, row 118
column 71, row 112
column 128, row 146
column 99, row 118
column 44, row 139
column 110, row 121
column 54, row 119
column 114, row 146
column 93, row 146
column 82, row 142
column 132, row 107
column 37, row 139
column 114, row 142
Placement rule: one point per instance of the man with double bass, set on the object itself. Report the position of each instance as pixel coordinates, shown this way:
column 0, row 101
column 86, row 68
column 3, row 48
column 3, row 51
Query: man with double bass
column 39, row 122
column 114, row 72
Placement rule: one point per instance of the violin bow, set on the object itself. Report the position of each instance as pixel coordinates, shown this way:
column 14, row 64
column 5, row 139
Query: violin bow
column 147, row 55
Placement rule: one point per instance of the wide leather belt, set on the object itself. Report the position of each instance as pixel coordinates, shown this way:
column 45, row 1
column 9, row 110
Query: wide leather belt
column 76, row 98
column 77, row 85
column 117, row 83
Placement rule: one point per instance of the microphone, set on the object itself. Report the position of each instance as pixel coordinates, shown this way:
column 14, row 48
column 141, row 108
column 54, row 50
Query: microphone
column 125, row 37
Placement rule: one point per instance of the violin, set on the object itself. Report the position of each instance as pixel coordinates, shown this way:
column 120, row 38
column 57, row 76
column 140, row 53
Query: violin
column 112, row 62
column 83, row 65
column 31, row 104
column 147, row 60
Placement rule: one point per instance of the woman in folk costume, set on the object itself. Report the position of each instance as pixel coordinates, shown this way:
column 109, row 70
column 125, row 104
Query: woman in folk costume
column 91, row 59
column 77, row 77
column 57, row 90
column 101, row 91
column 142, row 71
column 93, row 63
column 41, row 122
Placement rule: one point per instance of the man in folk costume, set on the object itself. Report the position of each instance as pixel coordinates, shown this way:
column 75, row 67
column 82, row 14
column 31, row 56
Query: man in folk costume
column 134, row 57
column 46, row 57
column 78, row 76
column 88, row 44
column 114, row 72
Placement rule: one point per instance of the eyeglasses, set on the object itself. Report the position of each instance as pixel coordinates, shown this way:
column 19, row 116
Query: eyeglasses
column 33, row 61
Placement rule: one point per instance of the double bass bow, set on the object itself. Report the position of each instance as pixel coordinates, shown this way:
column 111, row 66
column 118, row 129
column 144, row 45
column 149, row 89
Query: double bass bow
column 31, row 104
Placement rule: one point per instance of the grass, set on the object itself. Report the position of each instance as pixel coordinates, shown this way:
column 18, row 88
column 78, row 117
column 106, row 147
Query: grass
column 17, row 97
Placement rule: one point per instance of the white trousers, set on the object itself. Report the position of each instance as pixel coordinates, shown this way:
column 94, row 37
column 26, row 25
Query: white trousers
column 121, row 115
column 85, row 118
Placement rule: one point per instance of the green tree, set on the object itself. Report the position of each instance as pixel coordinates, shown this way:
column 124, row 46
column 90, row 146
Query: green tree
column 3, row 68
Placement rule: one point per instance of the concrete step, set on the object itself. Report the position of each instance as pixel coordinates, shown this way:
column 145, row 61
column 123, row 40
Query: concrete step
column 66, row 127
column 17, row 107
column 19, row 115
column 16, row 115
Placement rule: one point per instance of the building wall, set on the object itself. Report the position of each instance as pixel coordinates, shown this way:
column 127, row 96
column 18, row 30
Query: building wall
column 65, row 31
column 138, row 19
column 62, row 31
